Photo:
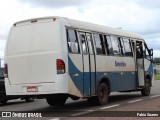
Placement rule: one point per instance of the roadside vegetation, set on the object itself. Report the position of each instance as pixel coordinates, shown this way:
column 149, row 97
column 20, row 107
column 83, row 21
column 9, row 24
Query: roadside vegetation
column 157, row 76
column 156, row 62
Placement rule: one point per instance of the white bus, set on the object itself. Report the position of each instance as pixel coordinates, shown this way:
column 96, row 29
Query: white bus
column 57, row 58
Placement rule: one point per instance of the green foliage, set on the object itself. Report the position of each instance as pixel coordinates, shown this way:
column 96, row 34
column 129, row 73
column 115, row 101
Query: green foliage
column 156, row 60
column 157, row 76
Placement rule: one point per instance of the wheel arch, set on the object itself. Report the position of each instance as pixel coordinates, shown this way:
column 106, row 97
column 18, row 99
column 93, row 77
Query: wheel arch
column 105, row 80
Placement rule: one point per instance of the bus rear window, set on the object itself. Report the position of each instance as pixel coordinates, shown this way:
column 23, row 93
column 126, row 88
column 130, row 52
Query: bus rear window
column 72, row 41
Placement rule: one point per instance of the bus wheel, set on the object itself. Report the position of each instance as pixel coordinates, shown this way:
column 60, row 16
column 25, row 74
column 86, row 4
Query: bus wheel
column 147, row 88
column 102, row 94
column 56, row 101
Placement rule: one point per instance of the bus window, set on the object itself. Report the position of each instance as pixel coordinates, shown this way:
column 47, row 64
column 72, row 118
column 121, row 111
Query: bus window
column 73, row 46
column 139, row 49
column 147, row 55
column 83, row 42
column 99, row 44
column 90, row 44
column 108, row 45
column 121, row 43
column 116, row 45
column 127, row 46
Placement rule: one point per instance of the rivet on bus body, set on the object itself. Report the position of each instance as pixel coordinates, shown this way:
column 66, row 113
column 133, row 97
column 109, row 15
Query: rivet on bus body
column 121, row 73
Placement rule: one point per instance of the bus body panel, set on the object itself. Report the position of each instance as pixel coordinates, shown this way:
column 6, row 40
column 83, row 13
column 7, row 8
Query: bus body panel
column 148, row 66
column 30, row 50
column 115, row 63
column 76, row 71
column 119, row 70
column 120, row 80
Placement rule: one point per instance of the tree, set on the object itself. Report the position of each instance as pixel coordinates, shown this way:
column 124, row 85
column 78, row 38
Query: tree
column 156, row 60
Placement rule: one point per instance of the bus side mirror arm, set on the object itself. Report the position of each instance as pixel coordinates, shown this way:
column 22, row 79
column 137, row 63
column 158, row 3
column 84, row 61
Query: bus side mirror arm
column 151, row 54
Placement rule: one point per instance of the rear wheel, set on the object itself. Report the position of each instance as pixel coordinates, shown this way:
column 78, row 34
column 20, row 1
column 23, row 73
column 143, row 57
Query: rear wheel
column 103, row 94
column 147, row 88
column 102, row 97
column 56, row 101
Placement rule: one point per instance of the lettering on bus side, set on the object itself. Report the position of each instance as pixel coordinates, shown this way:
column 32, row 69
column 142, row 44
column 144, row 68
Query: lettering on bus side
column 120, row 64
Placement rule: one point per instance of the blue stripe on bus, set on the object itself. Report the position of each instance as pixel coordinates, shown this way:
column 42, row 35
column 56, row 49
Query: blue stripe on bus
column 87, row 85
column 150, row 68
column 77, row 80
column 119, row 81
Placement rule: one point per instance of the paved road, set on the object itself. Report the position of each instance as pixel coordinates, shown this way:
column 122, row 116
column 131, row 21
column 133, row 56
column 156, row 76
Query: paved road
column 117, row 102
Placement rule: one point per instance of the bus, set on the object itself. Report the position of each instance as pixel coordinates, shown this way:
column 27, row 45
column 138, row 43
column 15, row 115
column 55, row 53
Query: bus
column 56, row 58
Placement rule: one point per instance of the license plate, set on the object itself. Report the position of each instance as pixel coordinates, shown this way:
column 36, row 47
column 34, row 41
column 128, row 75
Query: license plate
column 32, row 89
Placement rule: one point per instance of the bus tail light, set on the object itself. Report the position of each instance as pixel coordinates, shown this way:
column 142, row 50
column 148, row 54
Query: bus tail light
column 5, row 70
column 60, row 66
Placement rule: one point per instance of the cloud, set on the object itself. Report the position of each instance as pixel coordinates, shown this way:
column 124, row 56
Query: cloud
column 156, row 54
column 153, row 4
column 2, row 46
column 140, row 16
column 56, row 3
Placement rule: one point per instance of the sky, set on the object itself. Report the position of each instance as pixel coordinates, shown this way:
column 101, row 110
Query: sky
column 140, row 16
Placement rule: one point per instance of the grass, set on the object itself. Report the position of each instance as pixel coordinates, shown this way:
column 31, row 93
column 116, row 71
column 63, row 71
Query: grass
column 157, row 76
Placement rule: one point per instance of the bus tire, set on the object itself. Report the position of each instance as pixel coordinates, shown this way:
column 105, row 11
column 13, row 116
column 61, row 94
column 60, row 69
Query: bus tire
column 103, row 94
column 147, row 88
column 56, row 101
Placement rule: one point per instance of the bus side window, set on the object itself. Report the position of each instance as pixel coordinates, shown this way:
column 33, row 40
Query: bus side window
column 72, row 41
column 83, row 42
column 98, row 38
column 147, row 55
column 90, row 43
column 108, row 45
column 121, row 46
column 116, row 45
column 139, row 49
column 127, row 46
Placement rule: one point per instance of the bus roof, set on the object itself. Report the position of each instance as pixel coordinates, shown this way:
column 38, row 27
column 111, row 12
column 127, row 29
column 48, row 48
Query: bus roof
column 88, row 26
column 102, row 29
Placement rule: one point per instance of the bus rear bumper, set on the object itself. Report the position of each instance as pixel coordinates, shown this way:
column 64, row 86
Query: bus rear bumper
column 34, row 89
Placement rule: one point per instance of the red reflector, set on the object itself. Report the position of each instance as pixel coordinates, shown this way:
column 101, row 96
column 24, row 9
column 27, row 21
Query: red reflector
column 60, row 66
column 33, row 21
